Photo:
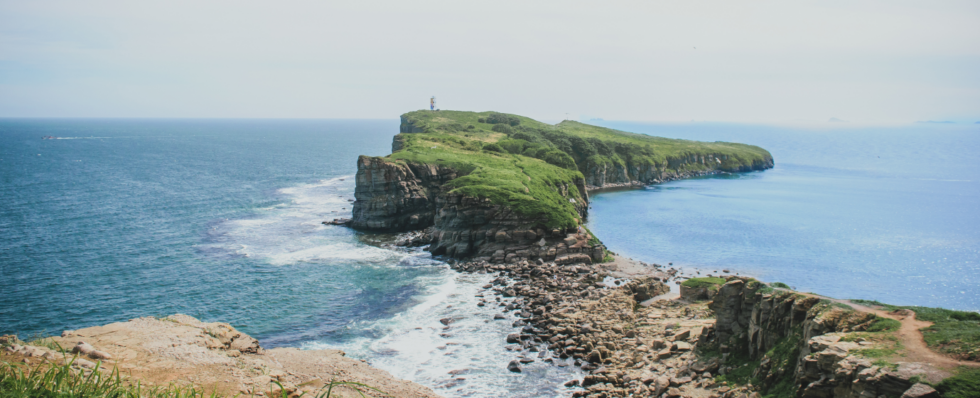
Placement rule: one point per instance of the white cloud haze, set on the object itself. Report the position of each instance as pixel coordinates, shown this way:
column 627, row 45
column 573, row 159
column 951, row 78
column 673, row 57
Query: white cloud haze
column 755, row 61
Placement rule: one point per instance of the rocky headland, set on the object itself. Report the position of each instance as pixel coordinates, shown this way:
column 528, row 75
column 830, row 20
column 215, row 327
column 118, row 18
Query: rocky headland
column 504, row 188
column 508, row 195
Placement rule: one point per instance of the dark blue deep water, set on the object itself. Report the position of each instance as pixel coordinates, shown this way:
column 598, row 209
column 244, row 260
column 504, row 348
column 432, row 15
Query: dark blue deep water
column 891, row 214
column 220, row 219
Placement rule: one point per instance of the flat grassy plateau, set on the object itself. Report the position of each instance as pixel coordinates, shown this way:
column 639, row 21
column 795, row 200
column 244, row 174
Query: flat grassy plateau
column 533, row 167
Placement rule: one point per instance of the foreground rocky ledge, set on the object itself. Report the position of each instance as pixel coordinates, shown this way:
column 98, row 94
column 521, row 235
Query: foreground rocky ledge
column 182, row 350
column 736, row 339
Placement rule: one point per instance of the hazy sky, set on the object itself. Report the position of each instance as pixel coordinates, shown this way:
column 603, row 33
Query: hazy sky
column 755, row 61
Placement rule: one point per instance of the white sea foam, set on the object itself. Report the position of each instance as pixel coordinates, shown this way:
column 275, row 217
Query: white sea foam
column 413, row 344
column 292, row 232
column 416, row 346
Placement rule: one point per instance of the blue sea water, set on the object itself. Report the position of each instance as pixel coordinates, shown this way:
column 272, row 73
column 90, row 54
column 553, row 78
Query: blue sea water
column 885, row 213
column 220, row 219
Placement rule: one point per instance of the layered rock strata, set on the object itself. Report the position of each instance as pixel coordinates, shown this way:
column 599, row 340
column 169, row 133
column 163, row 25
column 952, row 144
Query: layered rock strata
column 802, row 344
column 614, row 175
column 395, row 197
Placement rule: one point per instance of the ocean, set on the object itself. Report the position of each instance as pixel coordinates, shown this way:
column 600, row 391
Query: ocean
column 220, row 219
column 880, row 213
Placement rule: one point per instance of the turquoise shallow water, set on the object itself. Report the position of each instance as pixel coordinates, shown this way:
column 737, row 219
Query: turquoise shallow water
column 220, row 219
column 891, row 214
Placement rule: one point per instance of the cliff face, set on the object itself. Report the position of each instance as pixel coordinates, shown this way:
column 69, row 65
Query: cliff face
column 800, row 343
column 396, row 197
column 609, row 174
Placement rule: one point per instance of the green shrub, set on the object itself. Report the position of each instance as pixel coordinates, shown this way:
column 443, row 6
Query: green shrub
column 513, row 146
column 503, row 128
column 519, row 135
column 558, row 158
column 493, row 147
column 780, row 285
column 501, row 118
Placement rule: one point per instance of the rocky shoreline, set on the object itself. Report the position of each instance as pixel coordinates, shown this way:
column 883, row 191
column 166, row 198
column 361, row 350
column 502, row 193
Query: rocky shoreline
column 740, row 339
column 734, row 337
column 676, row 347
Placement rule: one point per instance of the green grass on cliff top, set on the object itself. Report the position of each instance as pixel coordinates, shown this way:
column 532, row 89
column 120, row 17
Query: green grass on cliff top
column 534, row 168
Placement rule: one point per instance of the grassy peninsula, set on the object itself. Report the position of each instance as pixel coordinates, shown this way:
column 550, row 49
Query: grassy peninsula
column 534, row 168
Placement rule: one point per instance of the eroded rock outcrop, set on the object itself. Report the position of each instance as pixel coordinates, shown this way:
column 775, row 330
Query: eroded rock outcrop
column 394, row 197
column 801, row 343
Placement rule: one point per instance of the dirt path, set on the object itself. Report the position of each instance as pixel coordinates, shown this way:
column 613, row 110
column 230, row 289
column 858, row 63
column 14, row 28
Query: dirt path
column 916, row 349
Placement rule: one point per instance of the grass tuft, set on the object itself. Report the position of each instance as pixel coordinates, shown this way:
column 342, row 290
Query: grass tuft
column 57, row 381
column 966, row 384
column 881, row 324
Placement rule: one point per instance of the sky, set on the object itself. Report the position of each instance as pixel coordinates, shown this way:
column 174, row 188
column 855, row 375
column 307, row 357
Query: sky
column 886, row 61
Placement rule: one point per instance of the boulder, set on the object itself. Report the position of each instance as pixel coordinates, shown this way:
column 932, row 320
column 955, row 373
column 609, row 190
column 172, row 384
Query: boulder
column 920, row 390
column 82, row 348
column 573, row 258
column 646, row 288
column 514, row 366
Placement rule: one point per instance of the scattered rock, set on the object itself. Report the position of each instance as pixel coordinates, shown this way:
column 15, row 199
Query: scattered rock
column 82, row 348
column 514, row 366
